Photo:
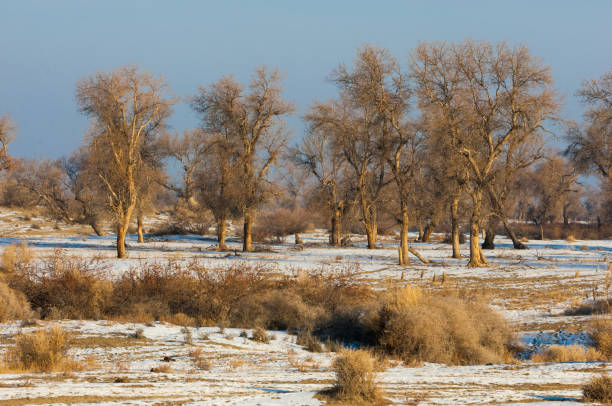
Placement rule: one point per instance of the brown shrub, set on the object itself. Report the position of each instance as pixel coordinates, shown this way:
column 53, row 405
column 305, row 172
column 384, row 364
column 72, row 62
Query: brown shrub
column 599, row 390
column 306, row 339
column 280, row 223
column 586, row 309
column 441, row 329
column 42, row 351
column 260, row 335
column 16, row 256
column 355, row 377
column 601, row 333
column 13, row 304
column 568, row 353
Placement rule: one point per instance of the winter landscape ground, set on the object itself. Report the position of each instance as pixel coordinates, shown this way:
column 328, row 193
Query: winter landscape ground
column 531, row 288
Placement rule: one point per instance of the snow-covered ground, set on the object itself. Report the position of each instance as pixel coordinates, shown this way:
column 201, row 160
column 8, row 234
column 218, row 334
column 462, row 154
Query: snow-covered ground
column 532, row 288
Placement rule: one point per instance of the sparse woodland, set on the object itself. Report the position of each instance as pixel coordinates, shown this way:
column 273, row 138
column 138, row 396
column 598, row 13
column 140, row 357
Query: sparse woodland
column 459, row 138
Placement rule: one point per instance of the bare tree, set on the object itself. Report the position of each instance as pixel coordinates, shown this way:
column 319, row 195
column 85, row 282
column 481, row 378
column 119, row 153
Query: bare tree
column 489, row 96
column 254, row 123
column 552, row 181
column 318, row 156
column 591, row 148
column 8, row 131
column 189, row 150
column 128, row 108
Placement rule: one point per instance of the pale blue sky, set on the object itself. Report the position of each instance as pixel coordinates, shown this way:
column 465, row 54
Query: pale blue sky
column 46, row 46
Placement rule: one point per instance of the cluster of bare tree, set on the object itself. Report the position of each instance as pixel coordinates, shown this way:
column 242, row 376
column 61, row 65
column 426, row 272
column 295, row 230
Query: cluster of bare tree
column 460, row 133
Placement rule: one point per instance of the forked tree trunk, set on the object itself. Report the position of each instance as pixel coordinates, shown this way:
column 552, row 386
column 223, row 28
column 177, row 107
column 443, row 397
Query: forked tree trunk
column 455, row 227
column 140, row 230
column 247, row 239
column 429, row 229
column 476, row 257
column 371, row 226
column 221, row 230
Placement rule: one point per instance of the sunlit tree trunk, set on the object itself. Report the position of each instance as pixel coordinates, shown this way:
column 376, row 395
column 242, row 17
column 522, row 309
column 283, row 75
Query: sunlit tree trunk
column 247, row 239
column 221, row 230
column 476, row 257
column 455, row 227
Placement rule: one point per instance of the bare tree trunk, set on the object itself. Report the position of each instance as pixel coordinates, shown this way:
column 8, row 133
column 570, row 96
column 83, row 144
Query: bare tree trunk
column 247, row 239
column 476, row 257
column 429, row 229
column 515, row 241
column 420, row 228
column 403, row 252
column 489, row 241
column 455, row 227
column 542, row 231
column 97, row 228
column 371, row 226
column 298, row 240
column 121, row 233
column 336, row 228
column 140, row 231
column 221, row 230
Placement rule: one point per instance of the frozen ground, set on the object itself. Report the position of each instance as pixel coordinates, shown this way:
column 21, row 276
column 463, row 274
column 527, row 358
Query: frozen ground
column 531, row 288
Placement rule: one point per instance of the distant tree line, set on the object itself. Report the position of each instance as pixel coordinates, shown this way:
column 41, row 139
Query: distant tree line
column 458, row 135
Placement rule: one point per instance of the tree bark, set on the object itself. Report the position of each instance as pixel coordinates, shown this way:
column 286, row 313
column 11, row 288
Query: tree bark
column 515, row 241
column 371, row 227
column 140, row 230
column 336, row 228
column 476, row 257
column 455, row 227
column 97, row 228
column 403, row 252
column 247, row 239
column 429, row 229
column 489, row 241
column 121, row 233
column 221, row 230
column 542, row 231
column 298, row 240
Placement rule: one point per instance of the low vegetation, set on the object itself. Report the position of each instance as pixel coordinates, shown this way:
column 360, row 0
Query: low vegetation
column 356, row 378
column 40, row 351
column 407, row 323
column 599, row 390
column 568, row 353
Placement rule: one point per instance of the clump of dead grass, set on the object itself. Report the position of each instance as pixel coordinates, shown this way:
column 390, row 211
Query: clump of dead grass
column 601, row 334
column 356, row 377
column 599, row 390
column 13, row 304
column 568, row 353
column 447, row 329
column 40, row 351
column 260, row 335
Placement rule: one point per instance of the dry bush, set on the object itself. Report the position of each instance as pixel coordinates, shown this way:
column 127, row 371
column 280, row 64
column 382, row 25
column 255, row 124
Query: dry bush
column 13, row 304
column 41, row 351
column 444, row 329
column 280, row 223
column 568, row 353
column 570, row 238
column 199, row 361
column 355, row 377
column 599, row 390
column 63, row 286
column 260, row 335
column 601, row 334
column 306, row 339
column 16, row 256
column 602, row 306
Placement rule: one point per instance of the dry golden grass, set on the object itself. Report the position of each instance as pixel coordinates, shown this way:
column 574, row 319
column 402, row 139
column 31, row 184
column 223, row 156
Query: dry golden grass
column 355, row 377
column 198, row 360
column 40, row 351
column 13, row 304
column 599, row 390
column 601, row 333
column 163, row 368
column 16, row 255
column 569, row 353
